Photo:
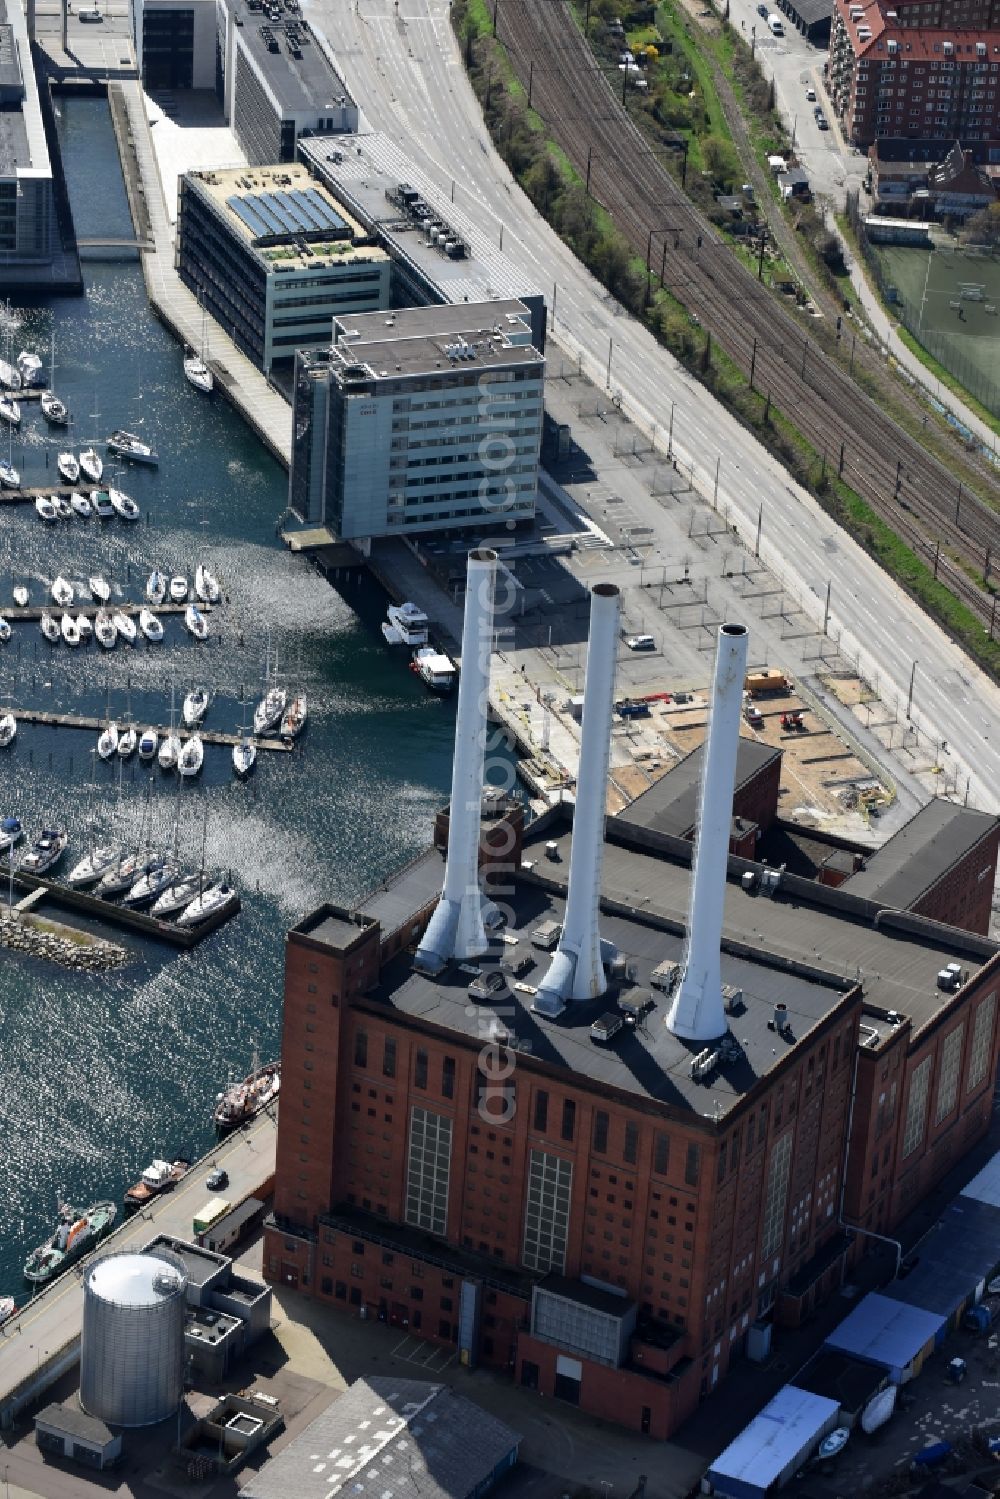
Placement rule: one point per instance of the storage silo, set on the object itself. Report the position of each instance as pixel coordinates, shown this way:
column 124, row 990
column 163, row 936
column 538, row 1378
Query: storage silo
column 132, row 1353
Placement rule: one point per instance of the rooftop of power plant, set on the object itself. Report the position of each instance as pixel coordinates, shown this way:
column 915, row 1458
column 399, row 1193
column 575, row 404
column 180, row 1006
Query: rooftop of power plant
column 805, row 947
column 285, row 216
column 374, row 178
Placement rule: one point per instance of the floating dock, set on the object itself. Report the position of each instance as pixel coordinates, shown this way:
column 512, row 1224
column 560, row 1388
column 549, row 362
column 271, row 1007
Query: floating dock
column 33, row 612
column 28, row 494
column 124, row 916
column 96, row 725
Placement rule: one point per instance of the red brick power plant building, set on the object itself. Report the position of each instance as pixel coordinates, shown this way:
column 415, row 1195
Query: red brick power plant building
column 472, row 1147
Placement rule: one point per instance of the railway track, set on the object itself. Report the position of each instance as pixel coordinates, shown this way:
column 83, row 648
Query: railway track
column 907, row 487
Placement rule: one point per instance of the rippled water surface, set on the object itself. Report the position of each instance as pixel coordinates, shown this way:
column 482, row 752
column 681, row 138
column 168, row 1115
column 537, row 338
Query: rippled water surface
column 99, row 1074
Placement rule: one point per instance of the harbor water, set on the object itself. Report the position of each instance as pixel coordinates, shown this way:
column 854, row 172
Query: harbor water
column 102, row 1073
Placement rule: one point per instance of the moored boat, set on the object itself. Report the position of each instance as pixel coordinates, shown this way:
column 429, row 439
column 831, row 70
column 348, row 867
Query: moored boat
column 150, row 626
column 107, row 743
column 156, row 587
column 91, row 465
column 156, row 879
column 123, row 504
column 125, row 625
column 128, row 741
column 159, row 1176
column 178, row 895
column 293, row 719
column 10, row 411
column 195, row 622
column 101, row 501
column 8, row 733
column 195, row 706
column 74, row 1235
column 169, row 752
column 81, row 506
column 93, row 866
column 45, row 852
column 129, row 445
column 179, row 588
column 11, row 832
column 50, row 627
column 69, row 467
column 268, row 712
column 198, row 374
column 405, row 624
column 85, row 627
column 244, row 1101
column 54, row 410
column 206, row 585
column 45, row 506
column 105, row 629
column 435, row 669
column 69, row 629
column 62, row 592
column 244, row 756
column 148, row 741
column 100, row 588
column 10, row 477
column 191, row 757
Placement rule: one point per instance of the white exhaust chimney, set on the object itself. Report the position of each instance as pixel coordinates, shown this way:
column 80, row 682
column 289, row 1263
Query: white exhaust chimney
column 576, row 970
column 456, row 929
column 698, row 1012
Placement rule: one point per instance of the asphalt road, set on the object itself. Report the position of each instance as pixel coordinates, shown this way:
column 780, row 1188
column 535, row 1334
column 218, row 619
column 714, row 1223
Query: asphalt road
column 406, row 73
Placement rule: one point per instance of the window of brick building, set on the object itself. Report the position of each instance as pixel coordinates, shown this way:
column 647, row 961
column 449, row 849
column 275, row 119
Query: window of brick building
column 360, row 1048
column 951, row 1063
column 982, row 1042
column 692, row 1164
column 631, row 1144
column 541, row 1110
column 568, row 1119
column 420, row 1070
column 916, row 1107
column 546, row 1213
column 600, row 1132
column 428, row 1169
column 661, row 1154
column 448, row 1077
column 389, row 1057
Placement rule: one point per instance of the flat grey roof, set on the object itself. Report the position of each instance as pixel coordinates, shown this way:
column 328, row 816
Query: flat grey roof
column 14, row 150
column 330, row 924
column 388, row 358
column 200, row 1264
column 811, row 11
column 670, row 805
column 468, row 318
column 10, row 67
column 74, row 1422
column 300, row 84
column 916, row 857
column 402, row 896
column 406, row 1437
column 587, row 1295
column 362, row 168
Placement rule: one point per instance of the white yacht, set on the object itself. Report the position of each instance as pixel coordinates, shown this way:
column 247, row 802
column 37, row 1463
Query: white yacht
column 406, row 625
column 129, row 445
column 198, row 374
column 64, row 509
column 169, row 751
column 11, row 831
column 100, row 588
column 69, row 629
column 148, row 741
column 435, row 669
column 107, row 742
column 125, row 626
column 5, row 631
column 178, row 895
column 50, row 627
column 29, row 367
column 21, row 596
column 10, row 377
column 81, row 506
column 128, row 741
column 62, row 592
column 244, row 756
column 10, row 478
column 191, row 757
column 156, row 587
column 195, row 706
column 206, row 585
column 85, row 627
column 91, row 465
column 69, row 467
column 267, row 714
column 8, row 731
column 150, row 626
column 211, row 901
column 93, row 866
column 101, row 501
column 54, row 410
column 178, row 589
column 10, row 410
column 105, row 629
column 157, row 878
column 195, row 622
column 124, row 504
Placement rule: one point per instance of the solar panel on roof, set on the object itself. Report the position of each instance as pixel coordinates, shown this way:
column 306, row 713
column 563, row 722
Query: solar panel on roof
column 275, row 204
column 311, row 216
column 245, row 211
column 329, row 219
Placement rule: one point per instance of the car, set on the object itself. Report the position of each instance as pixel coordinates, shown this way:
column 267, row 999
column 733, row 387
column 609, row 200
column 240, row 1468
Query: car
column 217, row 1179
column 810, row 92
column 753, row 715
column 640, row 642
column 822, row 122
column 817, row 112
column 762, row 10
column 90, row 15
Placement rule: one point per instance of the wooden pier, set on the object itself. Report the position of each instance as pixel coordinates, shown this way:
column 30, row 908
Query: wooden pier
column 123, row 916
column 33, row 612
column 96, row 725
column 27, row 495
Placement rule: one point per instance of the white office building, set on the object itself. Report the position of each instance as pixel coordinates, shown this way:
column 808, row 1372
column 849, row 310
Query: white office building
column 426, row 419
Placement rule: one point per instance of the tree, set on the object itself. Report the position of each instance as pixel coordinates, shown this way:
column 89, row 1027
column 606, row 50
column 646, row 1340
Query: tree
column 543, row 182
column 983, row 228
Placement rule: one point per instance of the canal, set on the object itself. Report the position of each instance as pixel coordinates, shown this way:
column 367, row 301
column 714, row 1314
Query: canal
column 100, row 1074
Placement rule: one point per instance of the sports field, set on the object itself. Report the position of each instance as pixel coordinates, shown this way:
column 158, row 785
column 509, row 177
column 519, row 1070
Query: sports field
column 950, row 301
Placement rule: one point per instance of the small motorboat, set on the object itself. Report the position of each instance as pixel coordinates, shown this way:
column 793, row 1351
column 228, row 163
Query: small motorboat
column 69, row 467
column 128, row 741
column 244, row 756
column 878, row 1410
column 206, row 585
column 293, row 720
column 209, row 903
column 169, row 752
column 195, row 622
column 178, row 895
column 100, row 588
column 178, row 589
column 8, row 732
column 10, row 478
column 10, row 411
column 64, row 508
column 198, row 374
column 5, row 631
column 107, row 743
column 268, row 712
column 85, row 627
column 150, row 626
column 128, row 445
column 11, row 830
column 29, row 367
column 835, row 1442
column 195, row 706
column 45, row 506
column 93, row 866
column 62, row 592
column 156, row 587
column 191, row 757
column 101, row 501
column 125, row 626
column 21, row 597
column 81, row 506
column 91, row 465
column 54, row 410
column 105, row 629
column 124, row 505
column 69, row 629
column 50, row 627
column 45, row 852
column 148, row 740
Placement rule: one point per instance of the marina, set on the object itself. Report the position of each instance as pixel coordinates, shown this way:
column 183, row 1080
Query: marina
column 96, row 724
column 127, row 917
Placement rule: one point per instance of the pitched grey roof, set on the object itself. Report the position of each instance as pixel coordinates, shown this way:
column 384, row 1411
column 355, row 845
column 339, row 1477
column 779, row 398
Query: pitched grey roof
column 385, row 1436
column 916, row 857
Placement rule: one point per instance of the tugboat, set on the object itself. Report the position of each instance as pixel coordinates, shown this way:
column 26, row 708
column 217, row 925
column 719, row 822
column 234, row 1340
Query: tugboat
column 244, row 1101
column 159, row 1176
column 74, row 1234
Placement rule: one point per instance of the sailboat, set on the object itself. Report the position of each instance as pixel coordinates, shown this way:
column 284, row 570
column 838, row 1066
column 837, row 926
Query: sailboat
column 150, row 626
column 91, row 463
column 100, row 588
column 196, row 370
column 128, row 739
column 10, row 477
column 206, row 585
column 69, row 630
column 53, row 410
column 62, row 592
column 69, row 467
column 124, row 504
column 85, row 626
column 81, row 505
column 8, row 729
column 10, row 410
column 107, row 744
column 148, row 741
column 45, row 507
column 191, row 757
column 170, row 747
column 195, row 622
column 93, row 866
column 5, row 631
column 105, row 629
column 50, row 627
column 156, row 587
column 195, row 706
column 244, row 753
column 125, row 626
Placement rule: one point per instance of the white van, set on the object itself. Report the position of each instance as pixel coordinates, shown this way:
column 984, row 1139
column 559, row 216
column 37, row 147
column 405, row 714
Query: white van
column 777, row 29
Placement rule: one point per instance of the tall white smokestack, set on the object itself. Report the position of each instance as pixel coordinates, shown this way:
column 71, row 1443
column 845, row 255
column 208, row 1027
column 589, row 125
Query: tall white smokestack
column 456, row 929
column 576, row 971
column 698, row 1012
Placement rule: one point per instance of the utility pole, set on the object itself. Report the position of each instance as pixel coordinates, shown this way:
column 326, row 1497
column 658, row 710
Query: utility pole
column 909, row 695
column 611, row 345
column 753, row 362
column 715, row 496
column 760, row 254
column 590, row 153
column 670, row 433
column 826, row 610
column 531, row 77
column 760, row 522
column 958, row 504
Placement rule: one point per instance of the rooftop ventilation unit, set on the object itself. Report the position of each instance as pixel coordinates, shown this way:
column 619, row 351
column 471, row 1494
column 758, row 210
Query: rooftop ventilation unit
column 456, row 928
column 697, row 1013
column 577, row 969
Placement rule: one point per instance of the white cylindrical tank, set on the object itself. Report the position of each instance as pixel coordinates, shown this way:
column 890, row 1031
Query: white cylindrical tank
column 698, row 1013
column 132, row 1351
column 576, row 971
column 456, row 929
